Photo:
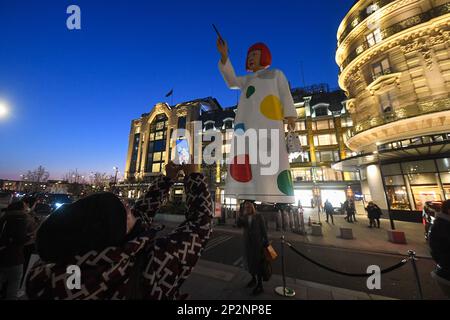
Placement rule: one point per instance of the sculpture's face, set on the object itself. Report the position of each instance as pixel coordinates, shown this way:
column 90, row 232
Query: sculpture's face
column 254, row 60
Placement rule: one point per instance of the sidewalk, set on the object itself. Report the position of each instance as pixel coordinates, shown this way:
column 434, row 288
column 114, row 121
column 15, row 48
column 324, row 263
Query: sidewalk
column 214, row 281
column 365, row 239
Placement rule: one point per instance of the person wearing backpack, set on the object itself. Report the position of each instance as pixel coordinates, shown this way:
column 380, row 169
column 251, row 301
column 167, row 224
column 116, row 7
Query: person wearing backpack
column 14, row 232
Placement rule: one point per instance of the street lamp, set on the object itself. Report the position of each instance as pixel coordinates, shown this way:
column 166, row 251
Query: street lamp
column 116, row 169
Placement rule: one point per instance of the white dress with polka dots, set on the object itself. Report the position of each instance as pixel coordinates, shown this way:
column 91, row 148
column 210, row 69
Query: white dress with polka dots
column 265, row 102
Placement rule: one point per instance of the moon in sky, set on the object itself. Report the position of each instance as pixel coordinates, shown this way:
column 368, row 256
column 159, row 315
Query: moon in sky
column 3, row 110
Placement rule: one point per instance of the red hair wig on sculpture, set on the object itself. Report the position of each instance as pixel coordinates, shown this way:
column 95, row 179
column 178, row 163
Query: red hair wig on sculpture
column 266, row 56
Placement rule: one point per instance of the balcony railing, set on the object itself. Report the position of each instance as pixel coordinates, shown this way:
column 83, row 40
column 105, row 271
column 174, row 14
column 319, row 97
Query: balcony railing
column 383, row 73
column 361, row 16
column 398, row 27
column 400, row 114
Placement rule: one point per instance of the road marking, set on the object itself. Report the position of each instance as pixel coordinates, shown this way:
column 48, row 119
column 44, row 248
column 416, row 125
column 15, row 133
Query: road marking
column 217, row 242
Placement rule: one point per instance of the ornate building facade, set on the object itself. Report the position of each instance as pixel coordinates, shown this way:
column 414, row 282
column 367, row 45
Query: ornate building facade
column 394, row 60
column 322, row 125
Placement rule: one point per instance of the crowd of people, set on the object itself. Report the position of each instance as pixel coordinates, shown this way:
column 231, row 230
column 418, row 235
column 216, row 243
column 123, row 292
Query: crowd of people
column 103, row 234
column 115, row 246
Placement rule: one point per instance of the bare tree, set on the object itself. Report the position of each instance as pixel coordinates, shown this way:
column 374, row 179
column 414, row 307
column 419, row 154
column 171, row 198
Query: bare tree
column 100, row 180
column 38, row 175
column 74, row 177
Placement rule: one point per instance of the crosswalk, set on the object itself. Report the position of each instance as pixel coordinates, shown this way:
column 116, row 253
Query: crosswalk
column 217, row 241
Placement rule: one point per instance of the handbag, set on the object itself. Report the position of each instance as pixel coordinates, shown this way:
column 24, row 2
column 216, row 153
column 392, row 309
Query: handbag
column 293, row 143
column 270, row 253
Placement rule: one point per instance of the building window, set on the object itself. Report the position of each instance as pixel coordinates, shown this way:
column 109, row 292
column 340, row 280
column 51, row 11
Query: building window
column 346, row 122
column 181, row 122
column 323, row 125
column 351, row 176
column 226, row 148
column 380, row 68
column 327, row 156
column 372, row 8
column 391, row 169
column 328, row 174
column 397, row 197
column 157, row 144
column 299, row 126
column 227, row 136
column 374, row 37
column 325, row 139
column 303, row 140
column 426, row 166
column 134, row 154
column 209, row 126
column 359, row 49
column 302, row 158
column 299, row 175
column 228, row 124
column 301, row 112
column 321, row 111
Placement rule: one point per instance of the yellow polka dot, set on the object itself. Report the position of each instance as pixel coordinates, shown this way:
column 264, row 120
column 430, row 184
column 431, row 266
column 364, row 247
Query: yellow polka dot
column 272, row 108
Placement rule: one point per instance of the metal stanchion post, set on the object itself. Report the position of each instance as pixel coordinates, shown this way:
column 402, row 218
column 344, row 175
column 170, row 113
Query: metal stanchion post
column 412, row 256
column 283, row 291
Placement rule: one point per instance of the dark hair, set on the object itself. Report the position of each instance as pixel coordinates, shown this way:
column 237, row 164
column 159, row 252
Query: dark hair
column 445, row 207
column 15, row 206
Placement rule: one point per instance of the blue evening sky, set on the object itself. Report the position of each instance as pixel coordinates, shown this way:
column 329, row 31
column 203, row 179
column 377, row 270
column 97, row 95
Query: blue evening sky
column 72, row 94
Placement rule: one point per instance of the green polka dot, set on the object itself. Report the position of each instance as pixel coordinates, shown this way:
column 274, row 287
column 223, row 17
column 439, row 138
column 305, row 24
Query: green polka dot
column 285, row 184
column 250, row 91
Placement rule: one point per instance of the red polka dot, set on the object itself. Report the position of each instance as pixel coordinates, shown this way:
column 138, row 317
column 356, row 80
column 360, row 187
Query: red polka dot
column 240, row 169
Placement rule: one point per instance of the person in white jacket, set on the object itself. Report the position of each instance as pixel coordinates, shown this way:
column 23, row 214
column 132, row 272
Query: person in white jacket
column 265, row 103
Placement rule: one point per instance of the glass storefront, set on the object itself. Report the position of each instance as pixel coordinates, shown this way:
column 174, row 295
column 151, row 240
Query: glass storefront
column 336, row 197
column 304, row 196
column 410, row 184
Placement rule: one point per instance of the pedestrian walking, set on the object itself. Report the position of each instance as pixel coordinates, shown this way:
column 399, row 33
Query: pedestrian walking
column 440, row 247
column 329, row 211
column 255, row 242
column 349, row 207
column 116, row 247
column 373, row 213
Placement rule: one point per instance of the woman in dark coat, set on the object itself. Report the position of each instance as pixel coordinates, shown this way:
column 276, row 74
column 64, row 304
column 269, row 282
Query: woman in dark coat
column 255, row 241
column 374, row 214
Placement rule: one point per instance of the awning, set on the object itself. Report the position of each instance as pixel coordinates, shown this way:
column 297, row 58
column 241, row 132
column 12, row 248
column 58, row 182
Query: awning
column 415, row 151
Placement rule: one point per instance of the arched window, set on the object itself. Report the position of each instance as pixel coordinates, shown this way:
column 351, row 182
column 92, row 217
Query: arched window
column 156, row 151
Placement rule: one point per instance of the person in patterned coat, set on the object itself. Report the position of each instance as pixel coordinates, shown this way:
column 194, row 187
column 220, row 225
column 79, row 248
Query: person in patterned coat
column 116, row 247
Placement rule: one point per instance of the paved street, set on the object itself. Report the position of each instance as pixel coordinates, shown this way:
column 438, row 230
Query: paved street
column 370, row 247
column 227, row 249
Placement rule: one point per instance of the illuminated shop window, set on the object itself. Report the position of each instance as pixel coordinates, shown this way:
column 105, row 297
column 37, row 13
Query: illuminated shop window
column 325, row 139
